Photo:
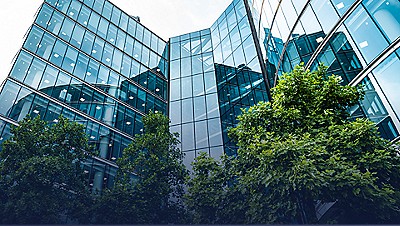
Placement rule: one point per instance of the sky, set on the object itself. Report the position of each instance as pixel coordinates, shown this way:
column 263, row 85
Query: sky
column 166, row 18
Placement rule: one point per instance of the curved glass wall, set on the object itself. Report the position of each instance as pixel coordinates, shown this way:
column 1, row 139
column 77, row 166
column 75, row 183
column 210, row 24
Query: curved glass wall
column 350, row 37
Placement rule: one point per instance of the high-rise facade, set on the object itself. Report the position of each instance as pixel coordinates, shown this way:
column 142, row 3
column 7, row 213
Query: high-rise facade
column 256, row 41
column 93, row 63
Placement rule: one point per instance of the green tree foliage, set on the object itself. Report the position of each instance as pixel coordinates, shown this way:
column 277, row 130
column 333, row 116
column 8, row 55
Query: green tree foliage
column 41, row 179
column 299, row 150
column 149, row 186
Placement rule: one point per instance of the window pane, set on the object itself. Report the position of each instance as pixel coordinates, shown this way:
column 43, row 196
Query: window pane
column 33, row 40
column 366, row 35
column 7, row 97
column 55, row 23
column 44, row 15
column 77, row 36
column 66, row 29
column 21, row 66
column 46, row 45
column 35, row 73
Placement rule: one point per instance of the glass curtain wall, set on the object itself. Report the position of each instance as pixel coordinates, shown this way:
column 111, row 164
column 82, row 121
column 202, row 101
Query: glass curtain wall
column 194, row 109
column 350, row 37
column 95, row 65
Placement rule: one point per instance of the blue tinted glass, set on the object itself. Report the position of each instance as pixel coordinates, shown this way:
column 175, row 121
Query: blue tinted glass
column 58, row 53
column 66, row 29
column 87, row 43
column 123, row 23
column 35, row 73
column 325, row 13
column 116, row 14
column 201, row 134
column 92, row 72
column 103, row 75
column 55, row 23
column 132, row 27
column 139, row 32
column 49, row 78
column 197, row 64
column 21, row 66
column 175, row 112
column 212, row 105
column 186, row 69
column 98, row 5
column 121, row 39
column 146, row 37
column 107, row 10
column 93, row 22
column 107, row 54
column 89, row 2
column 84, row 15
column 342, row 6
column 81, row 66
column 214, row 130
column 387, row 75
column 103, row 27
column 77, row 36
column 33, row 40
column 126, row 65
column 97, row 49
column 116, row 60
column 46, row 46
column 70, row 60
column 62, row 5
column 187, row 137
column 74, row 9
column 44, row 15
column 387, row 15
column 129, row 45
column 366, row 35
column 112, row 33
column 7, row 97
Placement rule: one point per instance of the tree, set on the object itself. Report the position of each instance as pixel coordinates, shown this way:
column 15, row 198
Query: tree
column 41, row 178
column 302, row 149
column 149, row 186
column 212, row 196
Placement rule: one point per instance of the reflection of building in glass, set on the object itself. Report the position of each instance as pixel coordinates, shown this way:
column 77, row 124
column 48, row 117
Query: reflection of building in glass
column 352, row 38
column 94, row 64
column 91, row 62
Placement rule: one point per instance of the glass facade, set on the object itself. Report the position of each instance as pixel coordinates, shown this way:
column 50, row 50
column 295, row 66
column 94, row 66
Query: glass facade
column 94, row 64
column 193, row 108
column 91, row 62
column 353, row 38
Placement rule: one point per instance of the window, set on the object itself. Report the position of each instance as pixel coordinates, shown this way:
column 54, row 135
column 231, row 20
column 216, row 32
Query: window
column 66, row 29
column 21, row 66
column 44, row 16
column 7, row 97
column 55, row 23
column 46, row 45
column 58, row 53
column 70, row 60
column 77, row 36
column 33, row 40
column 35, row 73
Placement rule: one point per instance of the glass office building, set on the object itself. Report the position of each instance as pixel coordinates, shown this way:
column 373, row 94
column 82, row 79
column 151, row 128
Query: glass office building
column 91, row 62
column 94, row 64
column 357, row 40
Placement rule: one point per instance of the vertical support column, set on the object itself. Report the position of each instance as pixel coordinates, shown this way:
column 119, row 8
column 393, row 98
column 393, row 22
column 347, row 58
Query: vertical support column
column 258, row 48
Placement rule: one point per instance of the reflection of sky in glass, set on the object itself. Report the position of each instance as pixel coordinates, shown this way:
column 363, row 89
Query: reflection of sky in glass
column 365, row 33
column 387, row 74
